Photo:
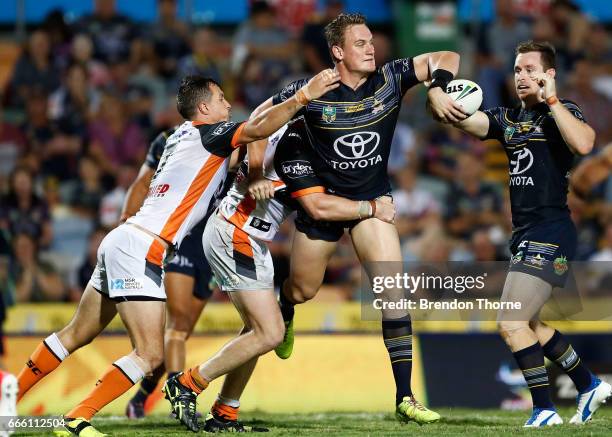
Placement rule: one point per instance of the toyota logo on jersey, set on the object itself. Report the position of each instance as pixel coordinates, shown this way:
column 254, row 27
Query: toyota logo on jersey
column 357, row 146
column 521, row 162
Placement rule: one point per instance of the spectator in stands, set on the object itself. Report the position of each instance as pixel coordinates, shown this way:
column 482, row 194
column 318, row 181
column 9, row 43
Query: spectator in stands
column 54, row 145
column 416, row 209
column 316, row 52
column 34, row 280
column 169, row 36
column 483, row 248
column 115, row 140
column 471, row 203
column 598, row 50
column 34, row 68
column 82, row 53
column 112, row 33
column 23, row 211
column 596, row 106
column 605, row 251
column 89, row 264
column 112, row 202
column 496, row 54
column 201, row 61
column 572, row 28
column 88, row 191
column 444, row 145
column 75, row 102
column 263, row 52
column 12, row 144
column 60, row 36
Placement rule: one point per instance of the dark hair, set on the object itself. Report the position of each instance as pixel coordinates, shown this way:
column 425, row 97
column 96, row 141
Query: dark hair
column 546, row 49
column 334, row 31
column 193, row 91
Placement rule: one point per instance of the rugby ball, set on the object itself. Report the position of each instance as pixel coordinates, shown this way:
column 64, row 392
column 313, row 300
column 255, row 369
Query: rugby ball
column 467, row 93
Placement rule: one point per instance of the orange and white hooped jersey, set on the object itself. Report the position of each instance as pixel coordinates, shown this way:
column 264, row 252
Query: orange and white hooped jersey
column 258, row 218
column 191, row 170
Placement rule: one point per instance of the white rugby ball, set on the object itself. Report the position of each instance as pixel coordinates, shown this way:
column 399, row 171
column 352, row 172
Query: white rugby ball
column 467, row 93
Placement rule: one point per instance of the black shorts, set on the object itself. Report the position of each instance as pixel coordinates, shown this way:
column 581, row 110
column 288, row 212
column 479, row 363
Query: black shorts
column 545, row 250
column 324, row 230
column 190, row 260
column 321, row 230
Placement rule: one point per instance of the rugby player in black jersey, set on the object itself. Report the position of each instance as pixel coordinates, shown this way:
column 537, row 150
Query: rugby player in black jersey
column 540, row 138
column 350, row 129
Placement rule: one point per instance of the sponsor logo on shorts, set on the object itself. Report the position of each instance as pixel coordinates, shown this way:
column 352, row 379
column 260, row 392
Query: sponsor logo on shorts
column 538, row 260
column 231, row 281
column 297, row 169
column 126, row 284
column 260, row 224
column 181, row 261
column 560, row 265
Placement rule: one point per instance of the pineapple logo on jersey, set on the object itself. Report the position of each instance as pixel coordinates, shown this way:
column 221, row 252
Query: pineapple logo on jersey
column 329, row 114
column 560, row 265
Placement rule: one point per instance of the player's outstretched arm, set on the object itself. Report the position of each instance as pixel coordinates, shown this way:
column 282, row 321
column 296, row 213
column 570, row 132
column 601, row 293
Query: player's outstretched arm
column 439, row 68
column 322, row 206
column 269, row 121
column 137, row 192
column 476, row 124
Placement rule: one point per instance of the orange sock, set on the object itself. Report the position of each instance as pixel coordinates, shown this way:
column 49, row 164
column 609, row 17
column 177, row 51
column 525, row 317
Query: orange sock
column 224, row 411
column 42, row 362
column 123, row 374
column 192, row 379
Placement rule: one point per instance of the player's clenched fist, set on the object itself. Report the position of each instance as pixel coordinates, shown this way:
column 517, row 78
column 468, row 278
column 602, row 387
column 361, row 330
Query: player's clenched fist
column 547, row 82
column 385, row 210
column 323, row 82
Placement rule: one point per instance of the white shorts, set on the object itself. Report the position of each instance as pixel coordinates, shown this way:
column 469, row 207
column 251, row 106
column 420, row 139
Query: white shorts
column 122, row 272
column 238, row 261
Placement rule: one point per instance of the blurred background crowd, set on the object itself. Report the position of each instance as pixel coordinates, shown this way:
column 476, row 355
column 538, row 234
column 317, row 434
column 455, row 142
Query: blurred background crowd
column 84, row 93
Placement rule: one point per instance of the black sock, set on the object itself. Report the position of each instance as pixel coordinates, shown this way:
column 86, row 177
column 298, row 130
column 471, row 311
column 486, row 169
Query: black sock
column 286, row 307
column 146, row 388
column 172, row 374
column 398, row 341
column 531, row 362
column 558, row 349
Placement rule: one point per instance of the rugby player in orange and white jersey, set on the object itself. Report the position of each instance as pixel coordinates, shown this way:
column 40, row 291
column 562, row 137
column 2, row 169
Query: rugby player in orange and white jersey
column 128, row 276
column 235, row 246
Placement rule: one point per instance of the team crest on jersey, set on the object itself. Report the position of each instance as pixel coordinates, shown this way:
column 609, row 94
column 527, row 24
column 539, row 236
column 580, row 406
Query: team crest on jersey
column 377, row 106
column 560, row 265
column 517, row 258
column 509, row 132
column 329, row 114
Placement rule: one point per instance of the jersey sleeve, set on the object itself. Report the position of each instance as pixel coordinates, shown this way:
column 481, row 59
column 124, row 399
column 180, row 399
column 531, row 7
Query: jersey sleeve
column 496, row 131
column 156, row 149
column 288, row 91
column 221, row 138
column 403, row 73
column 293, row 165
column 574, row 109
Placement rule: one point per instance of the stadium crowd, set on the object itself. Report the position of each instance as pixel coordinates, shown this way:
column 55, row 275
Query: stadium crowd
column 85, row 99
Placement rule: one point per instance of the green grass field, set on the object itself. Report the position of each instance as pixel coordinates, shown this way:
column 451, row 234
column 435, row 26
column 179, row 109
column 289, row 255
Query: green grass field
column 455, row 423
